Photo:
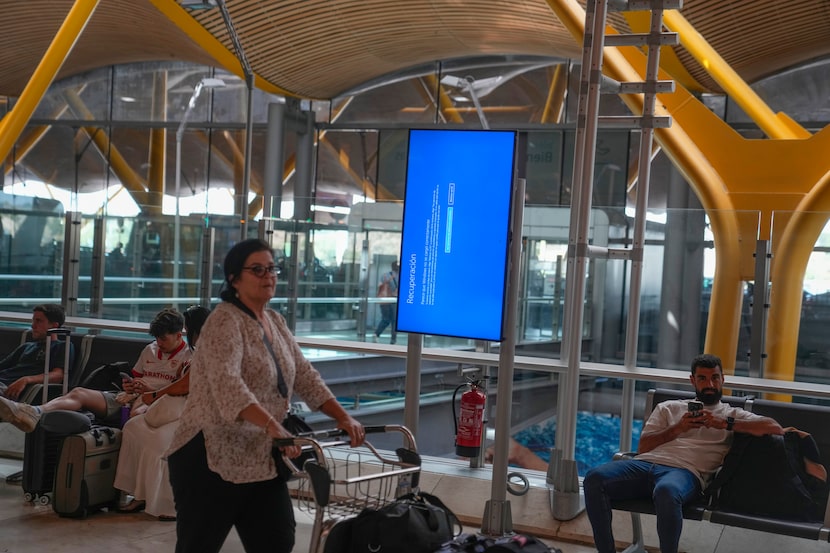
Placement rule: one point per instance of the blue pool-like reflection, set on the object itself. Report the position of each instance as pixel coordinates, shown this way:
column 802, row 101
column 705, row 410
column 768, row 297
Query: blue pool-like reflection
column 597, row 438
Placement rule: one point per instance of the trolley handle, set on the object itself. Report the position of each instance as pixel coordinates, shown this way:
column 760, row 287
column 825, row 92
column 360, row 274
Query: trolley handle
column 306, row 437
column 332, row 433
column 310, row 442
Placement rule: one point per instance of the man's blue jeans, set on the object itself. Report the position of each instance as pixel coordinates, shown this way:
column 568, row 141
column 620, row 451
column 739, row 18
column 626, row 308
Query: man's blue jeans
column 668, row 487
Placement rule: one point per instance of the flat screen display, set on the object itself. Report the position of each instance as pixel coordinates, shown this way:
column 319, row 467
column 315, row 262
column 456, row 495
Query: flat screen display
column 455, row 232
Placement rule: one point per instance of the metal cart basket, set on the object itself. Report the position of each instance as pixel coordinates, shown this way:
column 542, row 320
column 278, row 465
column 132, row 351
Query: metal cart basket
column 337, row 481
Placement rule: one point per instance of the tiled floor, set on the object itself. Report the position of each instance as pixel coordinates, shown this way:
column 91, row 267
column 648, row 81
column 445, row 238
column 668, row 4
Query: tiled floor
column 26, row 528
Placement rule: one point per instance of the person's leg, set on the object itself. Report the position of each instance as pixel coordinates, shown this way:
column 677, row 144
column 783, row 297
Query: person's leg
column 673, row 488
column 26, row 417
column 384, row 319
column 127, row 468
column 614, row 480
column 206, row 505
column 265, row 523
column 22, row 415
column 78, row 399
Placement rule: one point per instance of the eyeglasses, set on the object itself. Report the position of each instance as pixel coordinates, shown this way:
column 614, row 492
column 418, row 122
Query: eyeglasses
column 260, row 270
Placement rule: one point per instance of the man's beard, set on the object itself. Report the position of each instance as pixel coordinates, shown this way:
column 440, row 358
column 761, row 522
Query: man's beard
column 709, row 396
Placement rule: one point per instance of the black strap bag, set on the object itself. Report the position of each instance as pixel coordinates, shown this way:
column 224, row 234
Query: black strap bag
column 765, row 476
column 480, row 543
column 413, row 523
column 520, row 543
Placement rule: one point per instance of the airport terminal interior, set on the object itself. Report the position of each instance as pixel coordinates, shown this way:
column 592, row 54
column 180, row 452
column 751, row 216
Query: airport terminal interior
column 663, row 192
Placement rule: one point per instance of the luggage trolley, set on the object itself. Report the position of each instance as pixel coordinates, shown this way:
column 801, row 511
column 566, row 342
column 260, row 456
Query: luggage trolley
column 336, row 481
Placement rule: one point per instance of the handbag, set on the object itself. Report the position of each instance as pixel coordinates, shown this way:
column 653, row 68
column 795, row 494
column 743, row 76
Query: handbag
column 164, row 410
column 296, row 426
column 413, row 523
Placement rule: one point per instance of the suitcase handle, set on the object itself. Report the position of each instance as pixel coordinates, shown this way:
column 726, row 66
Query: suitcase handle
column 53, row 334
column 97, row 435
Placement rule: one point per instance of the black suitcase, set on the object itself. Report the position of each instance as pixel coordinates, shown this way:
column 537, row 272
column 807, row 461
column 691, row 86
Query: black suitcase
column 41, row 449
column 86, row 472
column 41, row 446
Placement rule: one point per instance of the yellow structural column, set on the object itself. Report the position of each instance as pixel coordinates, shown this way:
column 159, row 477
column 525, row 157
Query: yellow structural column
column 759, row 183
column 157, row 169
column 556, row 94
column 776, row 189
column 16, row 120
column 774, row 125
column 201, row 36
column 686, row 154
column 130, row 180
column 791, row 253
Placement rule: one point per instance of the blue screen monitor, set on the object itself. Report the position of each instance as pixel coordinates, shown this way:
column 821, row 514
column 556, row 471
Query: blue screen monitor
column 455, row 233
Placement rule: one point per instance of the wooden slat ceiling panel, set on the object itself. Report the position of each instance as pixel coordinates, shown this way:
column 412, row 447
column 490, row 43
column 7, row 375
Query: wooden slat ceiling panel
column 759, row 37
column 120, row 31
column 318, row 45
column 320, row 48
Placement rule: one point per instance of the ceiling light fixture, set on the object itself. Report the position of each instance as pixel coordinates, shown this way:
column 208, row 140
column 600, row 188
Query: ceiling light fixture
column 199, row 5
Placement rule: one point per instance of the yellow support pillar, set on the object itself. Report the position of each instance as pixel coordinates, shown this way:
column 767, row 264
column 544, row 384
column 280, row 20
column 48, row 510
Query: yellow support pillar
column 16, row 120
column 724, row 313
column 201, row 36
column 157, row 171
column 130, row 180
column 791, row 254
column 556, row 94
column 775, row 126
column 748, row 188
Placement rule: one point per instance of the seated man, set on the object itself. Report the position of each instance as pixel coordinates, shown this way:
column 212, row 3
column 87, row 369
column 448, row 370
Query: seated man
column 161, row 363
column 24, row 366
column 679, row 452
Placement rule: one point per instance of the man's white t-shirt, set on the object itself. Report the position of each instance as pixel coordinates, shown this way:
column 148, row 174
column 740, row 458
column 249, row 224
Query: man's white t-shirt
column 700, row 450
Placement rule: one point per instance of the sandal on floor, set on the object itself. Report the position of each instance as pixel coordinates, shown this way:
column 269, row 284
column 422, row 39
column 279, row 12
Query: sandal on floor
column 167, row 518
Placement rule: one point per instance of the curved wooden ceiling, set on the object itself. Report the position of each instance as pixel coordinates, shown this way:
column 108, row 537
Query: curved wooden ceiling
column 321, row 48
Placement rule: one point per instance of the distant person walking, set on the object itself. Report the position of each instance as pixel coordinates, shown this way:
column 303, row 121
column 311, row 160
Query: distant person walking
column 388, row 288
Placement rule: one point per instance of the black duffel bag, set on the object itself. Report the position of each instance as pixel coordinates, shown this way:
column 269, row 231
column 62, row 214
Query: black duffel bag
column 413, row 523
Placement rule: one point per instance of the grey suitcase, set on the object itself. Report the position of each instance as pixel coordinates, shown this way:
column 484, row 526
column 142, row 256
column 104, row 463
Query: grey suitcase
column 86, row 472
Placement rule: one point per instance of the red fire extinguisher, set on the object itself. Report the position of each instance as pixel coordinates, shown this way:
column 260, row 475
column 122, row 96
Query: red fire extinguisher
column 469, row 425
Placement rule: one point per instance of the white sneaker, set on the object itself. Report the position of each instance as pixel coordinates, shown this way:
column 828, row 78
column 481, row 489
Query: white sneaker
column 124, row 499
column 22, row 415
column 374, row 338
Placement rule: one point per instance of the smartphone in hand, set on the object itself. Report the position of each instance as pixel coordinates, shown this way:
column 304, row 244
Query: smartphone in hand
column 695, row 408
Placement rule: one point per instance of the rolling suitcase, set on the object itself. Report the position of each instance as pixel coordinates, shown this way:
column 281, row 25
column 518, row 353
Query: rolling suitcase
column 86, row 472
column 42, row 446
column 41, row 449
